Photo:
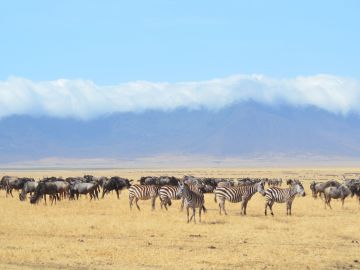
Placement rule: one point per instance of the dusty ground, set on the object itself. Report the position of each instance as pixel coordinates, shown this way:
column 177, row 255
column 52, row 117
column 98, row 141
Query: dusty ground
column 106, row 235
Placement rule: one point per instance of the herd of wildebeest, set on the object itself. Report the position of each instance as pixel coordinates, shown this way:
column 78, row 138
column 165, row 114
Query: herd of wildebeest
column 189, row 189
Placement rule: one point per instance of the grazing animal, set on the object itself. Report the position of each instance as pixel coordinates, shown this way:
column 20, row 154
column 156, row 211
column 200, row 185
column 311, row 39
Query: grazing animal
column 45, row 188
column 29, row 187
column 84, row 188
column 283, row 195
column 115, row 183
column 143, row 192
column 318, row 188
column 340, row 192
column 192, row 200
column 166, row 194
column 237, row 194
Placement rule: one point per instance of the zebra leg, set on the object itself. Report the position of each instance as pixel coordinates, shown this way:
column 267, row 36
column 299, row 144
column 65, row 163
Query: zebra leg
column 131, row 202
column 153, row 203
column 288, row 208
column 266, row 206
column 243, row 207
column 136, row 202
column 222, row 203
column 193, row 214
column 270, row 206
column 182, row 204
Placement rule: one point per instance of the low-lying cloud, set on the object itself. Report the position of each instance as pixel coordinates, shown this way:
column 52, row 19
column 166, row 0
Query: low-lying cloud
column 82, row 99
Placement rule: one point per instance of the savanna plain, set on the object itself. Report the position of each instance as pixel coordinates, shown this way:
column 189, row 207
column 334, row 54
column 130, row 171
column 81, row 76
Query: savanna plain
column 105, row 234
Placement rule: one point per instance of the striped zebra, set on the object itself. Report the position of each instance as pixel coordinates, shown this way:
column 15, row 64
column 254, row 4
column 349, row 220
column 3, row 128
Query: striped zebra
column 166, row 194
column 143, row 192
column 191, row 200
column 283, row 195
column 197, row 188
column 238, row 194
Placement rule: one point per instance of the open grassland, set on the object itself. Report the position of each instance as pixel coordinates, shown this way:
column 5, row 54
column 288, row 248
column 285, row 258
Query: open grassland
column 105, row 234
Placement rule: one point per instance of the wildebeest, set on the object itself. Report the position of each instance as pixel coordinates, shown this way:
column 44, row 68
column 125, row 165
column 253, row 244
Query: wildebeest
column 12, row 182
column 340, row 192
column 318, row 188
column 159, row 181
column 45, row 188
column 29, row 187
column 79, row 188
column 115, row 183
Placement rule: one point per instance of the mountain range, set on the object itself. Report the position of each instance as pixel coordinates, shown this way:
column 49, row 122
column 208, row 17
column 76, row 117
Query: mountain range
column 243, row 130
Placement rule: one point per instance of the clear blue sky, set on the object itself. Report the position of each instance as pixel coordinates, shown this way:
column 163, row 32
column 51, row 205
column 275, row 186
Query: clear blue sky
column 117, row 41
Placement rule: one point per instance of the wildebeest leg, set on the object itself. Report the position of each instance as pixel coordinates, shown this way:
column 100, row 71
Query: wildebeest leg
column 200, row 213
column 187, row 213
column 45, row 198
column 136, row 202
column 342, row 202
column 117, row 193
column 103, row 194
column 96, row 194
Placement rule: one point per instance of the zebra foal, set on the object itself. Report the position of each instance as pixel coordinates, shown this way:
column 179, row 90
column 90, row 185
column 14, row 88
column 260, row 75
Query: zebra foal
column 283, row 195
column 143, row 192
column 192, row 200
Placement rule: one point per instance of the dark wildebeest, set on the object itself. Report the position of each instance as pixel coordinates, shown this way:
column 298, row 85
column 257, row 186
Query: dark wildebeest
column 12, row 182
column 340, row 192
column 318, row 188
column 29, row 187
column 45, row 188
column 115, row 183
column 79, row 188
column 354, row 186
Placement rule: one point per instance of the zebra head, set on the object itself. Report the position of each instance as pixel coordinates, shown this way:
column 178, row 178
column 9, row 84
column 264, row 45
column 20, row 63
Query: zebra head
column 298, row 187
column 180, row 190
column 261, row 187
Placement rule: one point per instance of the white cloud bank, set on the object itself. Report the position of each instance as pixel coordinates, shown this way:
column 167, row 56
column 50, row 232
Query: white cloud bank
column 83, row 99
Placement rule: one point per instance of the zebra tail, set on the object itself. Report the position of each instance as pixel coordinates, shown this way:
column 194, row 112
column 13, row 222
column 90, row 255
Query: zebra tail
column 169, row 202
column 204, row 209
column 215, row 198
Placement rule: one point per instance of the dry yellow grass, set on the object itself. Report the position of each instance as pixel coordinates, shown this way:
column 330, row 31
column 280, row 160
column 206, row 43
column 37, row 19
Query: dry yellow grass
column 106, row 235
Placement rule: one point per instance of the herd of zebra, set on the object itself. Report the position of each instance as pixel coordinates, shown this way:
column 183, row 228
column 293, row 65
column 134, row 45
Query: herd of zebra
column 189, row 189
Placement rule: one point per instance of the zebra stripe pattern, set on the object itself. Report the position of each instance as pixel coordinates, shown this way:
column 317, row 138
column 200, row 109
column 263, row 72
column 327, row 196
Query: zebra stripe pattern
column 143, row 192
column 283, row 195
column 192, row 200
column 166, row 194
column 237, row 194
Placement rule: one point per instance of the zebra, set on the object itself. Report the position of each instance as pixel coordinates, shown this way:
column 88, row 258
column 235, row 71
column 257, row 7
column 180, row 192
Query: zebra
column 238, row 194
column 166, row 194
column 197, row 188
column 143, row 192
column 192, row 200
column 283, row 195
